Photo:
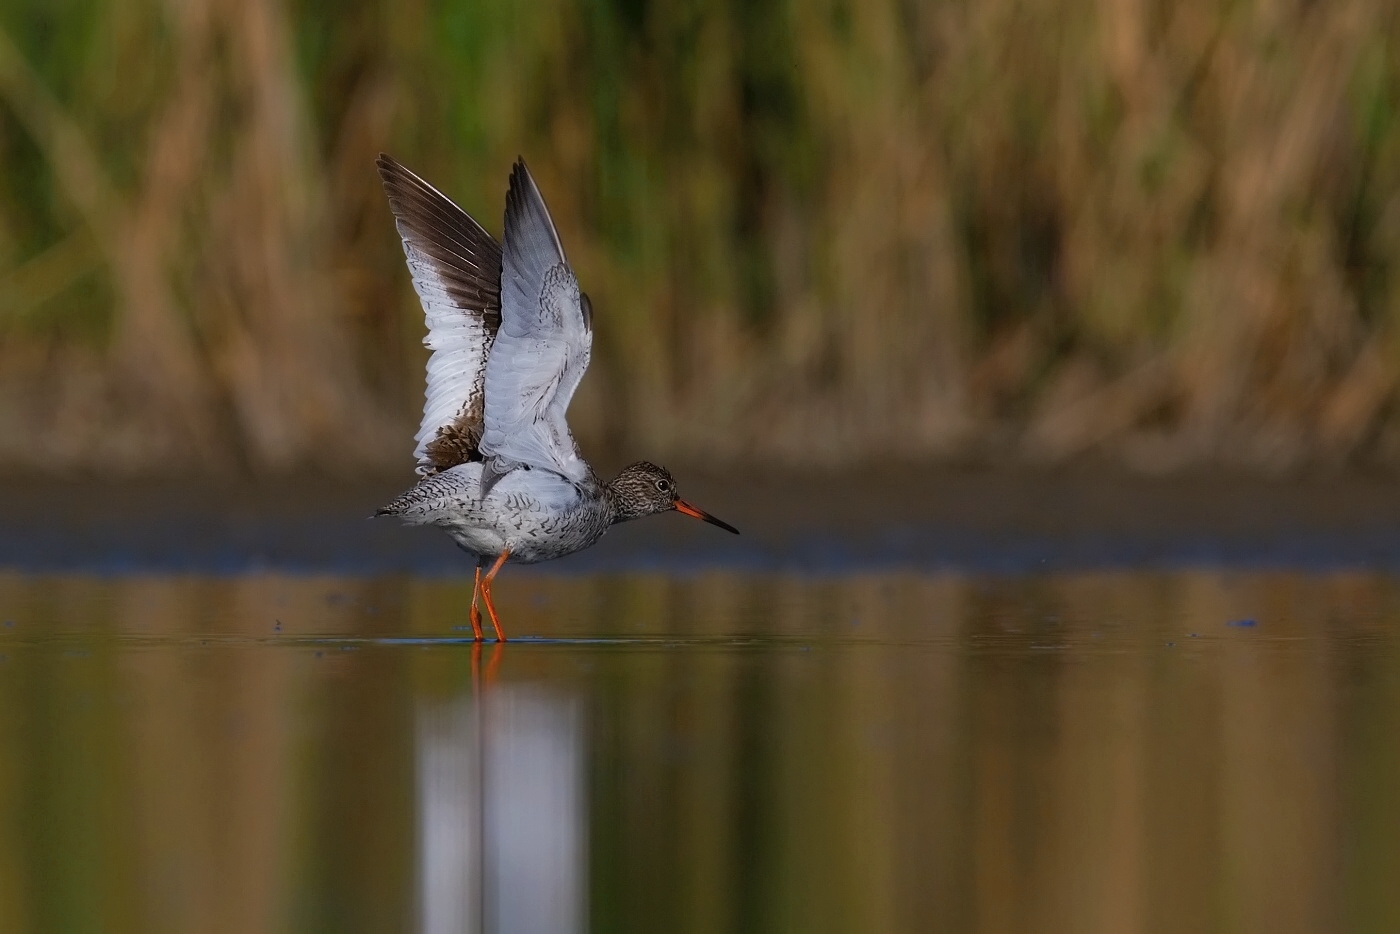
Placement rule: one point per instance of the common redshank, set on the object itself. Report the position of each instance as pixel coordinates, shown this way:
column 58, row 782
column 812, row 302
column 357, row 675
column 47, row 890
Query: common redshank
column 510, row 334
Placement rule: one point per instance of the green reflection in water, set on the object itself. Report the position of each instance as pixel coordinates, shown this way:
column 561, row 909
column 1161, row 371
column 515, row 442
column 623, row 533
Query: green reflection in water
column 1085, row 753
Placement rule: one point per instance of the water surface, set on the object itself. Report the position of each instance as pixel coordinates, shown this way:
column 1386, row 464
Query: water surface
column 705, row 750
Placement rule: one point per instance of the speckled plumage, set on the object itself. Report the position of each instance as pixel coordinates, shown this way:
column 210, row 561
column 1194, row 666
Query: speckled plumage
column 535, row 515
column 511, row 334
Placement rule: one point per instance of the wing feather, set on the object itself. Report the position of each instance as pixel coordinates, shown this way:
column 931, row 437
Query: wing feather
column 456, row 269
column 541, row 349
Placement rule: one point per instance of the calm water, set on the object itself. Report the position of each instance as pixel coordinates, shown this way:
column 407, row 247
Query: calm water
column 1091, row 751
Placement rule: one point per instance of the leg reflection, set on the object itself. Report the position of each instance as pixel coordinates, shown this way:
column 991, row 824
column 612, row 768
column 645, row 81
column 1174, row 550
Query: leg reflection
column 501, row 810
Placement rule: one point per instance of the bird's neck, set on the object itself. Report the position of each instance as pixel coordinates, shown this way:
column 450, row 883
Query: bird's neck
column 618, row 506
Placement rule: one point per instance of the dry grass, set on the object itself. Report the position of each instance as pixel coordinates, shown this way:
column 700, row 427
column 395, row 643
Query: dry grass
column 1157, row 232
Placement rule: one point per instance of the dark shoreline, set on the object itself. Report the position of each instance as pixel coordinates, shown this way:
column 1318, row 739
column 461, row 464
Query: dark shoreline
column 943, row 519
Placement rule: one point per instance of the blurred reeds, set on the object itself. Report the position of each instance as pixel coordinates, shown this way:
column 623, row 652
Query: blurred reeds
column 826, row 232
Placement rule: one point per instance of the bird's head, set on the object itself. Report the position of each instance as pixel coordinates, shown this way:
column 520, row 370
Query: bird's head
column 644, row 489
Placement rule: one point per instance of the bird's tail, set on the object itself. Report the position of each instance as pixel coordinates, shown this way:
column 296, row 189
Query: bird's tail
column 398, row 506
column 416, row 504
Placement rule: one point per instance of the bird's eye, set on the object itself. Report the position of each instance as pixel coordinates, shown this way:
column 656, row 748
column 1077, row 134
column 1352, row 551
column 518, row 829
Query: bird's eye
column 663, row 485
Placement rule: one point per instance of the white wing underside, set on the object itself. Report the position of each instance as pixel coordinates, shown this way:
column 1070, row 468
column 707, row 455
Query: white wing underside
column 456, row 269
column 460, row 345
column 542, row 348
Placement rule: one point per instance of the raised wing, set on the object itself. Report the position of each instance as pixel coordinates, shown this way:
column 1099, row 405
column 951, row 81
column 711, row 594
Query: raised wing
column 542, row 347
column 456, row 269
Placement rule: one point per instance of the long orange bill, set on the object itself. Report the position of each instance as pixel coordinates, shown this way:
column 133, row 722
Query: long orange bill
column 689, row 510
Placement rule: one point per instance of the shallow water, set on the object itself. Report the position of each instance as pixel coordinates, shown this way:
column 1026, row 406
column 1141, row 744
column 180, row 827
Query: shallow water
column 1083, row 751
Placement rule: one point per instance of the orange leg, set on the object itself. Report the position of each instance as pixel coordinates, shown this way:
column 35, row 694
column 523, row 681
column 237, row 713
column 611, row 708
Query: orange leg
column 486, row 594
column 476, row 613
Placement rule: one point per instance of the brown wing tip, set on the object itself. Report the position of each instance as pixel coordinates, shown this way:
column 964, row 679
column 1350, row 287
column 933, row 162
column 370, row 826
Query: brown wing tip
column 389, row 167
column 401, row 181
column 397, row 179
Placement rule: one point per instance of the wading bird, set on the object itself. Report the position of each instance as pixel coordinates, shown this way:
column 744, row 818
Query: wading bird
column 510, row 334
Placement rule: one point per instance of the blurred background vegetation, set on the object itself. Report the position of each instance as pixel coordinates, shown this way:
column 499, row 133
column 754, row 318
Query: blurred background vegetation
column 830, row 232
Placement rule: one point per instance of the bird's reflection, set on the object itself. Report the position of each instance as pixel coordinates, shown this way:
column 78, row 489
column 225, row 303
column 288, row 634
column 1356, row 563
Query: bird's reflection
column 501, row 809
